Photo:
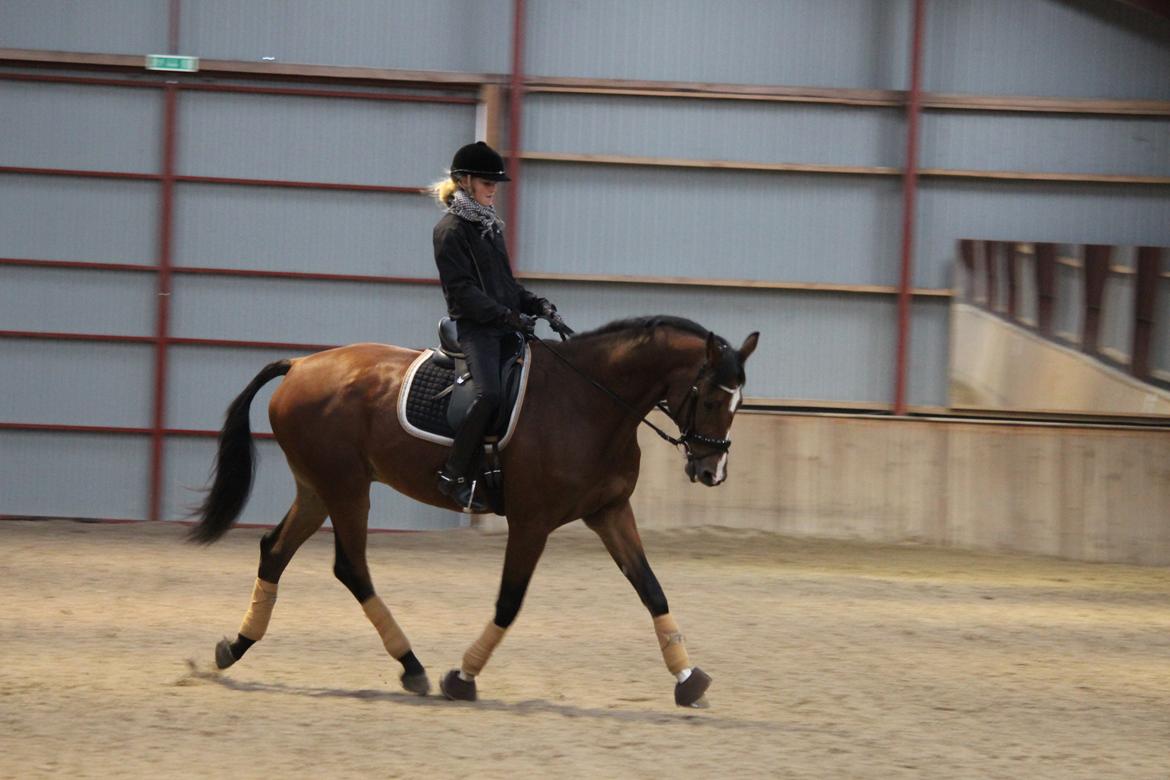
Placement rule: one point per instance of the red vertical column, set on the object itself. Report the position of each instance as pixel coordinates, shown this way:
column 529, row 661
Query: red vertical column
column 1145, row 298
column 991, row 268
column 1096, row 274
column 163, row 312
column 909, row 193
column 1045, row 288
column 967, row 256
column 515, row 119
column 1010, row 259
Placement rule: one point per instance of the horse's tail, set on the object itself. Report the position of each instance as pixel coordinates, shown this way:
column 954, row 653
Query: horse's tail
column 233, row 463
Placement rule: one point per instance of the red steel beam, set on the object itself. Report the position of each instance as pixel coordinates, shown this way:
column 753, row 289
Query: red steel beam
column 909, row 193
column 83, row 265
column 118, row 430
column 304, row 275
column 174, row 16
column 105, row 338
column 111, row 338
column 163, row 317
column 307, row 185
column 515, row 117
column 88, row 174
column 251, row 89
column 1145, row 307
column 137, row 176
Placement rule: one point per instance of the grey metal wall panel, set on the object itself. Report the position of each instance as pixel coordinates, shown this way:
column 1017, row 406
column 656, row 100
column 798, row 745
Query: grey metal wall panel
column 437, row 35
column 928, row 354
column 713, row 129
column 1084, row 48
column 74, row 301
column 112, row 26
column 812, row 346
column 76, row 383
column 64, row 218
column 204, row 380
column 189, row 464
column 319, row 139
column 845, row 43
column 188, row 467
column 1078, row 213
column 314, row 231
column 1138, row 146
column 305, row 312
column 80, row 127
column 72, row 475
column 710, row 224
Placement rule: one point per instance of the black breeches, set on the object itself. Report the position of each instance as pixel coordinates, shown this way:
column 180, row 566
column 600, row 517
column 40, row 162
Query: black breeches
column 482, row 348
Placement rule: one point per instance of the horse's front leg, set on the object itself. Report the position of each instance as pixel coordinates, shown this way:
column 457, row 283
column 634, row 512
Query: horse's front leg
column 520, row 557
column 615, row 525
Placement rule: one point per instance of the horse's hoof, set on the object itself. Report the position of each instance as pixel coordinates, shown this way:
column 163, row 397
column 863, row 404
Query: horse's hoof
column 456, row 688
column 689, row 693
column 416, row 683
column 223, row 654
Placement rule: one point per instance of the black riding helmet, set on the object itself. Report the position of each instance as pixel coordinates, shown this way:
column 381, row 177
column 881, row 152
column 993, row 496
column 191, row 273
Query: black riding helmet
column 479, row 159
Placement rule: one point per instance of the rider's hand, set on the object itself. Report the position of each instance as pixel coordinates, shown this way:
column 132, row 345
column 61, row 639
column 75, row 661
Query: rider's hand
column 547, row 309
column 558, row 325
column 520, row 322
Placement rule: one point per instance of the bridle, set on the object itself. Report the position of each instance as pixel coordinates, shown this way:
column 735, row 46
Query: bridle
column 689, row 407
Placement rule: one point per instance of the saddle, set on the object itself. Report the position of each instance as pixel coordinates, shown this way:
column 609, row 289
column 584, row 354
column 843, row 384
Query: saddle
column 438, row 390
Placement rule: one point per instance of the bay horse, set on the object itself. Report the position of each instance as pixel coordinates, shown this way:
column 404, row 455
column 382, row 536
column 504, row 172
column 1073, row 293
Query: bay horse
column 573, row 455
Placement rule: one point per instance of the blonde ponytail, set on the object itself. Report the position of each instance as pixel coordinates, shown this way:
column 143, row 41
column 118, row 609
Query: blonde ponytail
column 444, row 191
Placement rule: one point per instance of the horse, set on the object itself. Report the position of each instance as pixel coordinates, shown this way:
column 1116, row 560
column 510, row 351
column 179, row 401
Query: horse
column 573, row 455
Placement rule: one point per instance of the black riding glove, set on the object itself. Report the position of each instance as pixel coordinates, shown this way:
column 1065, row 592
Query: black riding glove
column 547, row 309
column 521, row 322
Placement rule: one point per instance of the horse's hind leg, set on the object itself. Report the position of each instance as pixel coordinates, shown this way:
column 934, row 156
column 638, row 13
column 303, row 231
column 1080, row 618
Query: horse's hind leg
column 615, row 525
column 350, row 517
column 277, row 548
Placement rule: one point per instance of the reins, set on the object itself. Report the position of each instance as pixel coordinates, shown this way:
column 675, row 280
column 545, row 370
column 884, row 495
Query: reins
column 692, row 397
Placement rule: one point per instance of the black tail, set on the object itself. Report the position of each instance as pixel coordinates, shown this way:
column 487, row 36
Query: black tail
column 233, row 463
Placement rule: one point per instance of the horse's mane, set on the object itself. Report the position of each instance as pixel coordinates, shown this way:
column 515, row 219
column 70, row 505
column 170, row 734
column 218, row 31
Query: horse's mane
column 728, row 369
column 644, row 327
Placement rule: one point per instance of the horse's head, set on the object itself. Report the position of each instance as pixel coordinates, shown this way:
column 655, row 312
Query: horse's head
column 705, row 414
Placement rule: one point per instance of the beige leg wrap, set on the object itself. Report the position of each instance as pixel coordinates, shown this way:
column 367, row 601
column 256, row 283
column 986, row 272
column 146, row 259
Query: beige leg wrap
column 396, row 643
column 478, row 654
column 256, row 620
column 670, row 642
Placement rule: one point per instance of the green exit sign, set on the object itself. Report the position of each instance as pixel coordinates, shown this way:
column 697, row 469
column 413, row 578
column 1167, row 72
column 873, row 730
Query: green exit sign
column 173, row 62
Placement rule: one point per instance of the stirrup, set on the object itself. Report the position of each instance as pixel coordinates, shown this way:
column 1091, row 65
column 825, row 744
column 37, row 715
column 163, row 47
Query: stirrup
column 462, row 492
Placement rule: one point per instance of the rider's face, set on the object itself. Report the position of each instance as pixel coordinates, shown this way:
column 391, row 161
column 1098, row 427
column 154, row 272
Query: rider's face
column 482, row 191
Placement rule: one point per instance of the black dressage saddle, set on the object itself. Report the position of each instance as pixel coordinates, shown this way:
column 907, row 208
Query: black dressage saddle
column 441, row 389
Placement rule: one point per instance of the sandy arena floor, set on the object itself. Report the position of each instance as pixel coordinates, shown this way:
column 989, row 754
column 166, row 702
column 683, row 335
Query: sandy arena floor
column 830, row 660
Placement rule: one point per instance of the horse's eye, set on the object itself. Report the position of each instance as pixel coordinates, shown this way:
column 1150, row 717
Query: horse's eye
column 709, row 405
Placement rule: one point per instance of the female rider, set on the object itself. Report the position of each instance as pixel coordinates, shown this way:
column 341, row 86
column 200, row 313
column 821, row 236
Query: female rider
column 484, row 299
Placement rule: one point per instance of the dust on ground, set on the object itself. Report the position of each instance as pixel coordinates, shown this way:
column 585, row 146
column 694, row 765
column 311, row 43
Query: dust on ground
column 830, row 659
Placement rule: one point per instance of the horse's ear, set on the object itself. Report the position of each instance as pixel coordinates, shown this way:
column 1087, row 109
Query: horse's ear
column 749, row 346
column 712, row 349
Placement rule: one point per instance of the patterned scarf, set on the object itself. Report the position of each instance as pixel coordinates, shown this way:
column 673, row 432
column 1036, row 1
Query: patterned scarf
column 466, row 207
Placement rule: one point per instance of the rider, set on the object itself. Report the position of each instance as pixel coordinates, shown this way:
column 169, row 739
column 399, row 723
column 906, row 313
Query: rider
column 484, row 299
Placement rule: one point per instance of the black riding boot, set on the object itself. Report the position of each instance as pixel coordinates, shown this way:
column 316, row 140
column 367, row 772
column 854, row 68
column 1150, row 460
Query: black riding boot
column 455, row 480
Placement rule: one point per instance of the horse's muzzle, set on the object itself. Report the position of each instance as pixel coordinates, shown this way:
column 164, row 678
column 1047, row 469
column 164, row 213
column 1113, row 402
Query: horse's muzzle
column 708, row 475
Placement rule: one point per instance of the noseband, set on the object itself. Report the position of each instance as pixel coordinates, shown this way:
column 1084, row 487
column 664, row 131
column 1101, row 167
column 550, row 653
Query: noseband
column 687, row 434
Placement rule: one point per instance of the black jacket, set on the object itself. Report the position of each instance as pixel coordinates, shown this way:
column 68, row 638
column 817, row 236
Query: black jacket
column 477, row 279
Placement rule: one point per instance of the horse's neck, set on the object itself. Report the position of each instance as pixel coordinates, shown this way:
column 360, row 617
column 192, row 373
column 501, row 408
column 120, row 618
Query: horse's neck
column 643, row 372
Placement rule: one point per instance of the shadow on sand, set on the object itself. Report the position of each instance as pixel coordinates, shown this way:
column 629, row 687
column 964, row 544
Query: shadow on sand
column 705, row 719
